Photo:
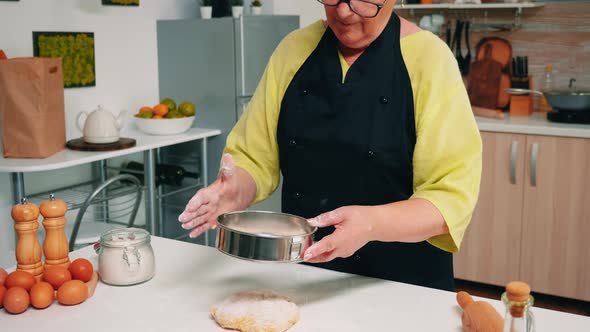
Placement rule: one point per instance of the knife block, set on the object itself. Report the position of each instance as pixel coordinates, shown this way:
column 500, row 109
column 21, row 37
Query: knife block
column 522, row 105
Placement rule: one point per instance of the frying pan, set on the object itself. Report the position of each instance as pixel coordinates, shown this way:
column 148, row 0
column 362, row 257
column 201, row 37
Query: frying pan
column 564, row 100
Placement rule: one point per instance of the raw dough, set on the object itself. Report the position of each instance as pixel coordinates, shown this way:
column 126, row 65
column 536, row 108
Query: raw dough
column 256, row 311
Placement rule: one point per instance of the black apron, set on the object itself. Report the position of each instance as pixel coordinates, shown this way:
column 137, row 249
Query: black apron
column 352, row 143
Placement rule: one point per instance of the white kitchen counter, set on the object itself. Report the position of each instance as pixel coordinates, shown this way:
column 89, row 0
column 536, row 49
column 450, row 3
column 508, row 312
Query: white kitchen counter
column 190, row 278
column 536, row 124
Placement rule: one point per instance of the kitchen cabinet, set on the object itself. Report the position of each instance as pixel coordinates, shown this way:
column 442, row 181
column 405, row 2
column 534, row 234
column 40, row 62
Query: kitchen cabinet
column 532, row 215
column 556, row 216
column 490, row 252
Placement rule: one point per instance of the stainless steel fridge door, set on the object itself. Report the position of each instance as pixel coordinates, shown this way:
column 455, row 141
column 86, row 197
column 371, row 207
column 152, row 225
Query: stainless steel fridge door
column 256, row 39
column 196, row 62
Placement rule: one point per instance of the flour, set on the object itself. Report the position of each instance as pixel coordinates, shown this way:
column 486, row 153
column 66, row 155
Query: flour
column 256, row 311
column 267, row 229
column 126, row 257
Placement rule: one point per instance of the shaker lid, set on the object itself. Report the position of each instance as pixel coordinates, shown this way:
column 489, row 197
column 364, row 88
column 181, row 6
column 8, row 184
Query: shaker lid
column 124, row 237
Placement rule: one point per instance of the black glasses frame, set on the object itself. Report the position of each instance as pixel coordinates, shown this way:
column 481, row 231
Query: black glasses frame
column 379, row 6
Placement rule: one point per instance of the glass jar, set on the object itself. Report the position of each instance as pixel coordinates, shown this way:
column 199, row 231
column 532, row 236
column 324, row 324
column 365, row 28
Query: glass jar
column 126, row 257
column 518, row 316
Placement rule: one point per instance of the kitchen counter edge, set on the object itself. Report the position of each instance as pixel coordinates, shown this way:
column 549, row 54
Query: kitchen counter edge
column 536, row 124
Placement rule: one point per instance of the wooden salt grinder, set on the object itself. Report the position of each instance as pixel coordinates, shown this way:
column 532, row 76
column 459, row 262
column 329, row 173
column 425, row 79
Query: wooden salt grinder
column 28, row 248
column 55, row 247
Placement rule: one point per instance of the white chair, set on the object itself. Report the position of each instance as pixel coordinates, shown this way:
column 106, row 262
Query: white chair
column 116, row 199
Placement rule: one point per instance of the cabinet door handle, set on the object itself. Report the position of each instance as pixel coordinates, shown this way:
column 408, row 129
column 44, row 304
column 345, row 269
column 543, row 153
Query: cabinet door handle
column 534, row 158
column 513, row 160
column 242, row 55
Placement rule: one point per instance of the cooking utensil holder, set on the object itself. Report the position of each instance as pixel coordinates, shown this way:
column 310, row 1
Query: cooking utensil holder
column 522, row 105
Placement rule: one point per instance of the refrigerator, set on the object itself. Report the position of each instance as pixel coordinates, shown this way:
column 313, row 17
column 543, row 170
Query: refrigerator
column 216, row 64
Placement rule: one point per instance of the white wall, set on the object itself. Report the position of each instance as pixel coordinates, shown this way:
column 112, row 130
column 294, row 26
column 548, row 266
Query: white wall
column 309, row 11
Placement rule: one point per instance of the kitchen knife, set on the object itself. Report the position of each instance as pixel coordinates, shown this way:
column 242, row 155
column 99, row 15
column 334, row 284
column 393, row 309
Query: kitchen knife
column 514, row 74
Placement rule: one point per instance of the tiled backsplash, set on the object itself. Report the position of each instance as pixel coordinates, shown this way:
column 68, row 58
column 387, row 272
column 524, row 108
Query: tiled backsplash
column 557, row 33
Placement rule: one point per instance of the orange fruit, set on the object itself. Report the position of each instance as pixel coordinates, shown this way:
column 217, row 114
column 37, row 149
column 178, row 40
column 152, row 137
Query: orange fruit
column 160, row 109
column 157, row 117
column 187, row 108
column 145, row 109
column 145, row 115
column 169, row 102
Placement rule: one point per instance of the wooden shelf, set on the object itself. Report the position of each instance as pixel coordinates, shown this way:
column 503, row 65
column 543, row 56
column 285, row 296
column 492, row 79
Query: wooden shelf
column 451, row 6
column 517, row 7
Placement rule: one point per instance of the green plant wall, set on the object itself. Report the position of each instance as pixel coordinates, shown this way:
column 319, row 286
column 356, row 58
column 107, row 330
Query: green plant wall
column 76, row 50
column 121, row 2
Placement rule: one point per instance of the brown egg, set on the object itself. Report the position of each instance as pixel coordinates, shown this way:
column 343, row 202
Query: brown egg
column 2, row 292
column 42, row 295
column 72, row 292
column 3, row 275
column 56, row 275
column 20, row 279
column 16, row 300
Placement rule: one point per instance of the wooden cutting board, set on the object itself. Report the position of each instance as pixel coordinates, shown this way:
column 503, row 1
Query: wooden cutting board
column 78, row 144
column 484, row 81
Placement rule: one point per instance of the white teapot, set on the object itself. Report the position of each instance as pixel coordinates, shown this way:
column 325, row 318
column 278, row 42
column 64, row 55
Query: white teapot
column 100, row 126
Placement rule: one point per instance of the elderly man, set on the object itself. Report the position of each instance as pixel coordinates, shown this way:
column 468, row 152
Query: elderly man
column 367, row 118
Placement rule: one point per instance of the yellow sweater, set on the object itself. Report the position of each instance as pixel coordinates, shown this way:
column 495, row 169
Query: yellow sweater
column 447, row 154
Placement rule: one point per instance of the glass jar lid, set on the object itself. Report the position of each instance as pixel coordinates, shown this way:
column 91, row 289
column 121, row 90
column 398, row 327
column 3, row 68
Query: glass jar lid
column 124, row 237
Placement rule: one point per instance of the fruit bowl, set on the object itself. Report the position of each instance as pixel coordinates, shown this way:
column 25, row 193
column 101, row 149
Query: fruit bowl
column 164, row 126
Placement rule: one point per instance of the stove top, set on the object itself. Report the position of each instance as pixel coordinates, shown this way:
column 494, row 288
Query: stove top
column 569, row 116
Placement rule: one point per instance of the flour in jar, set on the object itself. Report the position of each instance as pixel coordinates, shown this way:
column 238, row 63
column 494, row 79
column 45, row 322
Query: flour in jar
column 126, row 257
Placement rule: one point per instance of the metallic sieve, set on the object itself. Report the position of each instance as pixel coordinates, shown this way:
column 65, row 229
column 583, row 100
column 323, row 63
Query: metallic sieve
column 264, row 236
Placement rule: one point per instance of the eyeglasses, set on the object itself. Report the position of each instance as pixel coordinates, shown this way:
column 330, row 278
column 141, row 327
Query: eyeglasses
column 362, row 8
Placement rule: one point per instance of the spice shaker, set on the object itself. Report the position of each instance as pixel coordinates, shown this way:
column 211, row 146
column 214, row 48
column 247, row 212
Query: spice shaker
column 126, row 257
column 28, row 247
column 55, row 247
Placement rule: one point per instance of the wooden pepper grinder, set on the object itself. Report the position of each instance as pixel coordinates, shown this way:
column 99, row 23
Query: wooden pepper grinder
column 55, row 247
column 28, row 248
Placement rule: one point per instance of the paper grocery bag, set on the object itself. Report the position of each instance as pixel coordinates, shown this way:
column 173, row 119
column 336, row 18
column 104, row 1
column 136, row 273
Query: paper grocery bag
column 32, row 117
